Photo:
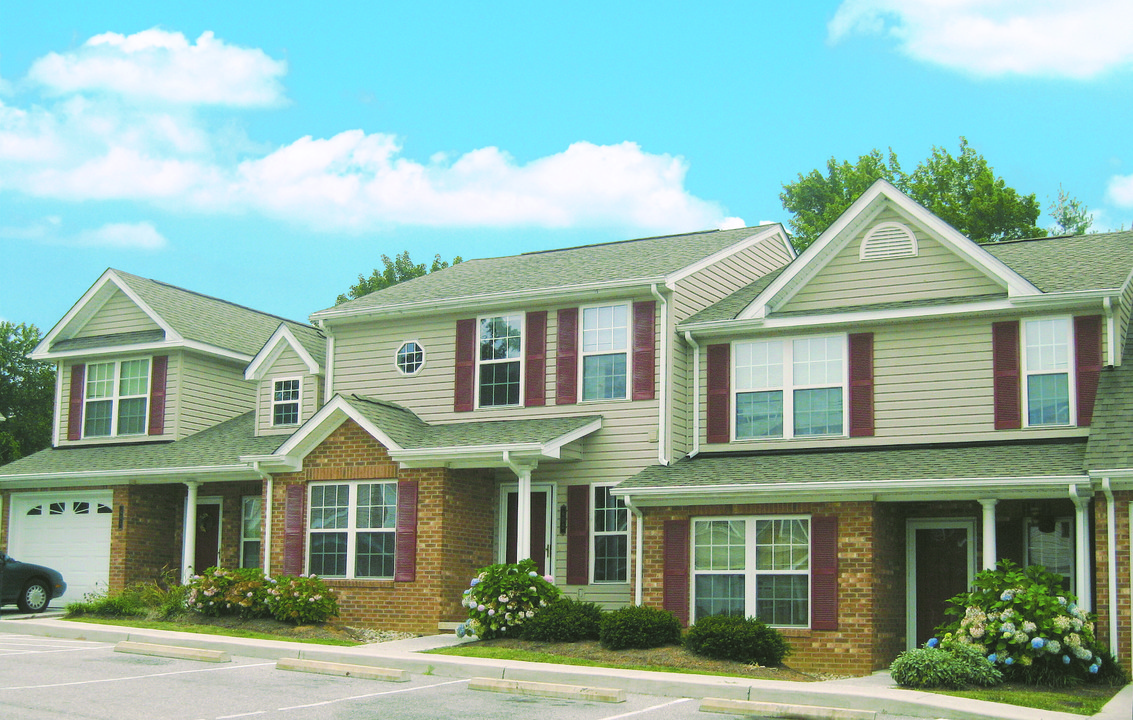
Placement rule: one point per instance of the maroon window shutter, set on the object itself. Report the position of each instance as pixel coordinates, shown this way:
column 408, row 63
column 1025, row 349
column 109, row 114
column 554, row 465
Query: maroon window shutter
column 158, row 375
column 861, row 384
column 719, row 393
column 75, row 403
column 536, row 359
column 566, row 358
column 405, row 542
column 1088, row 358
column 675, row 581
column 824, row 573
column 1005, row 372
column 293, row 528
column 465, row 380
column 644, row 350
column 578, row 535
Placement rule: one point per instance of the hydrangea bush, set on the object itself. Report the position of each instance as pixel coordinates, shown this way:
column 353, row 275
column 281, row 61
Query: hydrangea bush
column 502, row 597
column 1027, row 625
column 302, row 600
column 249, row 593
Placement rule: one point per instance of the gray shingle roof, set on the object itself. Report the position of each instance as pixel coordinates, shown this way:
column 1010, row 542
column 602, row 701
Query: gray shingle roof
column 218, row 446
column 926, row 462
column 103, row 341
column 1111, row 429
column 1079, row 262
column 549, row 270
column 413, row 433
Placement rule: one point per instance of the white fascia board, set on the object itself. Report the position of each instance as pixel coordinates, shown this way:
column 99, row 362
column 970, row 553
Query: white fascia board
column 150, row 476
column 761, row 233
column 271, row 351
column 322, row 424
column 496, row 454
column 489, row 300
column 152, row 348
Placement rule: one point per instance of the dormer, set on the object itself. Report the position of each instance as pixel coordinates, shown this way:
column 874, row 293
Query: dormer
column 288, row 372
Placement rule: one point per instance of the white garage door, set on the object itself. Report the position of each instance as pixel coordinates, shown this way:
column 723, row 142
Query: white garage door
column 69, row 532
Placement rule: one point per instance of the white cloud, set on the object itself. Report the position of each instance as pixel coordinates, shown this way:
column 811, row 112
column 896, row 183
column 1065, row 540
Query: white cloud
column 731, row 223
column 1077, row 39
column 165, row 66
column 123, row 236
column 1120, row 191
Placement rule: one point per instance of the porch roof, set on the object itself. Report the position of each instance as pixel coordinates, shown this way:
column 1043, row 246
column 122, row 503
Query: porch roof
column 210, row 454
column 969, row 470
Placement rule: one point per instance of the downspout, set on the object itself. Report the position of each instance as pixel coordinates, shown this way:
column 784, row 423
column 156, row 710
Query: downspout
column 663, row 393
column 265, row 527
column 328, row 381
column 638, row 571
column 1111, row 552
column 695, row 404
column 1110, row 331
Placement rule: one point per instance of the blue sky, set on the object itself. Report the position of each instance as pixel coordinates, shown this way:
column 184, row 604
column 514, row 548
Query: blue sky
column 268, row 153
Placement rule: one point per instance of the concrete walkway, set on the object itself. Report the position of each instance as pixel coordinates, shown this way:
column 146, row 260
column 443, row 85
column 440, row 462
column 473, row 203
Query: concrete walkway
column 876, row 692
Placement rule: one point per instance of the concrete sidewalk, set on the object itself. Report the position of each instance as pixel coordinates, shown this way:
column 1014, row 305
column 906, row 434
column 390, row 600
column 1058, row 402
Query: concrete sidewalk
column 876, row 692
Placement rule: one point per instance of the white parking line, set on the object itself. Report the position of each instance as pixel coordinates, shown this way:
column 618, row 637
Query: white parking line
column 136, row 677
column 648, row 709
column 12, row 653
column 370, row 695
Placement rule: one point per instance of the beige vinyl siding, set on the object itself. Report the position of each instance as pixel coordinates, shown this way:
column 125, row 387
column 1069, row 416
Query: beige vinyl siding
column 719, row 280
column 63, row 400
column 287, row 365
column 212, row 392
column 118, row 314
column 936, row 272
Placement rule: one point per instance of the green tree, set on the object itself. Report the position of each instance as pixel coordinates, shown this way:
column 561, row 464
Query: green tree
column 962, row 190
column 1071, row 216
column 395, row 271
column 27, row 390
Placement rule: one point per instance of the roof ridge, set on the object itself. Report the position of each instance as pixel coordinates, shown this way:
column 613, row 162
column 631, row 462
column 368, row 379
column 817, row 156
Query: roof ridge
column 634, row 240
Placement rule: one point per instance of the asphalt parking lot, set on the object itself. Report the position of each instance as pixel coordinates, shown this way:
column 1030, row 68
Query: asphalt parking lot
column 46, row 678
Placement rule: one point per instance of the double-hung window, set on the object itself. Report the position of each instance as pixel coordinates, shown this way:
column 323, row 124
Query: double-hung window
column 753, row 566
column 352, row 529
column 1046, row 367
column 790, row 388
column 605, row 342
column 285, row 402
column 500, row 360
column 611, row 536
column 116, row 398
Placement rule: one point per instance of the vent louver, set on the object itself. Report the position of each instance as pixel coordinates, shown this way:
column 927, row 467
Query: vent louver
column 887, row 241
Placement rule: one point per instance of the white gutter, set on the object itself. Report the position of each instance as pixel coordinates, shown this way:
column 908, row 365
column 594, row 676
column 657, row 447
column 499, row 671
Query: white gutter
column 663, row 420
column 102, row 475
column 1111, row 552
column 695, row 404
column 638, row 565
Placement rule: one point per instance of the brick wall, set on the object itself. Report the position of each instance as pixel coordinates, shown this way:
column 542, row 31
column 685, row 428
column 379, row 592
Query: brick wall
column 148, row 544
column 455, row 525
column 1101, row 565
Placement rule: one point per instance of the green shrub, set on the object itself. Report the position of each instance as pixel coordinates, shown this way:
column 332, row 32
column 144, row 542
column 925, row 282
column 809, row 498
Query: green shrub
column 564, row 620
column 503, row 597
column 954, row 667
column 638, row 626
column 156, row 600
column 208, row 592
column 746, row 640
column 301, row 600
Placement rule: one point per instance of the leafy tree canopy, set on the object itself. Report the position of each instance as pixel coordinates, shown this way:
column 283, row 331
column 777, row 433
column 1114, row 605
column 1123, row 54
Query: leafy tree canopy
column 27, row 390
column 400, row 269
column 962, row 190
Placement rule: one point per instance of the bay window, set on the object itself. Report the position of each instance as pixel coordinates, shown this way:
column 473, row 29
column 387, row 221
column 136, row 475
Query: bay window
column 352, row 529
column 790, row 388
column 116, row 398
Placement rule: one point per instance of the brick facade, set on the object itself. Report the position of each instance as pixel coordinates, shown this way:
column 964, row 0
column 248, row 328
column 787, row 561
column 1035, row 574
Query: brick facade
column 1123, row 502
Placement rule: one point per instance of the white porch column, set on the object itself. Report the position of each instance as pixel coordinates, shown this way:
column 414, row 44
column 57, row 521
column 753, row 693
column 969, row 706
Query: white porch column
column 189, row 534
column 989, row 553
column 523, row 515
column 1082, row 546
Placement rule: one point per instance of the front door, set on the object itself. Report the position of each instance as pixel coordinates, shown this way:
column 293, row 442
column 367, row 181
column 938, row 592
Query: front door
column 541, row 502
column 941, row 561
column 208, row 536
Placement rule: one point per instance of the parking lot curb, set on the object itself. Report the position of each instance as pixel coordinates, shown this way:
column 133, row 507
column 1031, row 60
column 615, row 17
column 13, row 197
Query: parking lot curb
column 548, row 690
column 173, row 651
column 782, row 710
column 366, row 672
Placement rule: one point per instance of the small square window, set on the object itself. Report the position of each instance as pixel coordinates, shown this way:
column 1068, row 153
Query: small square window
column 410, row 358
column 285, row 403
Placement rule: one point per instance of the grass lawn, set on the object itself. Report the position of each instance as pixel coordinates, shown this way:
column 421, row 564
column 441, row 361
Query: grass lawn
column 207, row 629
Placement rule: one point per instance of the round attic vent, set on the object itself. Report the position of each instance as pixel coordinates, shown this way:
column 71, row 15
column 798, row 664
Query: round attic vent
column 887, row 241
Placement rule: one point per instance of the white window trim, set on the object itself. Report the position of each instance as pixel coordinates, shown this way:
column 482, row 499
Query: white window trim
column 424, row 357
column 582, row 354
column 275, row 403
column 749, row 571
column 243, row 529
column 114, row 398
column 594, row 534
column 521, row 359
column 351, row 528
column 1071, row 374
column 788, row 387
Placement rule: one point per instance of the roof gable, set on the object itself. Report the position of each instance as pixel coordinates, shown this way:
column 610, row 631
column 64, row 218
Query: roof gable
column 284, row 338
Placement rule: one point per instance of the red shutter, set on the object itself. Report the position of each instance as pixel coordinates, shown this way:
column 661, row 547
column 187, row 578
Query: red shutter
column 1005, row 373
column 294, row 517
column 719, row 393
column 675, row 580
column 405, row 542
column 644, row 350
column 158, row 373
column 1088, row 358
column 535, row 391
column 824, row 573
column 578, row 535
column 465, row 371
column 861, row 384
column 75, row 404
column 566, row 358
